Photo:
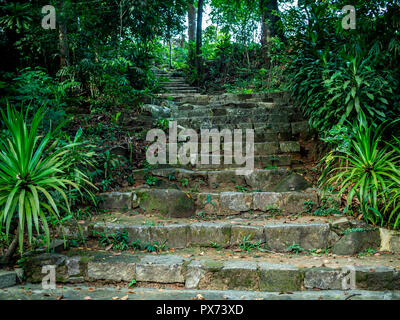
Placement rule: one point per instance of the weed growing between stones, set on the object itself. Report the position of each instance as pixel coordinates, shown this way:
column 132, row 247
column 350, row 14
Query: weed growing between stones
column 248, row 245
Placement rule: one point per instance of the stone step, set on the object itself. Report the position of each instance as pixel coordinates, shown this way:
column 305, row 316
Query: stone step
column 271, row 180
column 8, row 278
column 278, row 97
column 177, row 203
column 272, row 237
column 216, row 273
column 176, row 88
column 260, row 149
column 252, row 120
column 81, row 292
column 227, row 109
column 287, row 160
column 182, row 90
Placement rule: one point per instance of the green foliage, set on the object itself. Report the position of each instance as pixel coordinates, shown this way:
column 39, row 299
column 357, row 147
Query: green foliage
column 308, row 206
column 151, row 181
column 367, row 171
column 118, row 240
column 216, row 245
column 247, row 245
column 368, row 252
column 32, row 172
column 240, row 188
column 184, row 182
column 336, row 74
column 294, row 248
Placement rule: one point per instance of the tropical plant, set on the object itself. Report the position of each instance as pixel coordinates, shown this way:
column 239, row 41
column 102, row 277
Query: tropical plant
column 367, row 171
column 392, row 209
column 79, row 159
column 31, row 173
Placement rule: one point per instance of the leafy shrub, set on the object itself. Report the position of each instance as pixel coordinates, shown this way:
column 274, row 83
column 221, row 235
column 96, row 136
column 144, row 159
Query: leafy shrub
column 31, row 171
column 368, row 170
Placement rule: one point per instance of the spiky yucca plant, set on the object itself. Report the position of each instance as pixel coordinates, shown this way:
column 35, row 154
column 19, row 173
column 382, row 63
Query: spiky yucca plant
column 367, row 171
column 31, row 169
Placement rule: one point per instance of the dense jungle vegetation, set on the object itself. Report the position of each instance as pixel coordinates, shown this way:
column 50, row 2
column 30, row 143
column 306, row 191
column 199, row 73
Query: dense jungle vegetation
column 65, row 91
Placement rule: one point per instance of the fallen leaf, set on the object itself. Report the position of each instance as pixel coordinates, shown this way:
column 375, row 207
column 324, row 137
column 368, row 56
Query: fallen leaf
column 109, row 247
column 200, row 297
column 115, row 298
column 91, row 289
column 60, row 297
column 87, row 298
column 130, row 291
column 125, row 297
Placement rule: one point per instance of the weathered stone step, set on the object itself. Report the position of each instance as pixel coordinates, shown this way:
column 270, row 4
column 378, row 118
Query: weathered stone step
column 273, row 237
column 179, row 88
column 81, row 292
column 8, row 278
column 271, row 180
column 220, row 162
column 264, row 106
column 209, row 273
column 260, row 148
column 230, row 109
column 172, row 202
column 277, row 97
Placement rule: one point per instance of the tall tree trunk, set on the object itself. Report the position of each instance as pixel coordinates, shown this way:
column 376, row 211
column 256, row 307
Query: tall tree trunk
column 63, row 38
column 191, row 30
column 199, row 35
column 170, row 53
column 269, row 23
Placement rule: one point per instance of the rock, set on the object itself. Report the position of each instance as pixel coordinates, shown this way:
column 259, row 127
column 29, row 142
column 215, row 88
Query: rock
column 253, row 233
column 160, row 269
column 234, row 275
column 307, row 236
column 235, row 202
column 20, row 274
column 170, row 203
column 33, row 266
column 294, row 182
column 382, row 278
column 194, row 274
column 357, row 241
column 340, row 225
column 224, row 178
column 116, row 200
column 175, row 235
column 390, row 240
column 209, row 203
column 7, row 279
column 280, row 277
column 139, row 233
column 264, row 201
column 266, row 148
column 266, row 180
column 112, row 268
column 293, row 202
column 300, row 127
column 203, row 233
column 289, row 146
column 323, row 278
column 73, row 266
column 158, row 112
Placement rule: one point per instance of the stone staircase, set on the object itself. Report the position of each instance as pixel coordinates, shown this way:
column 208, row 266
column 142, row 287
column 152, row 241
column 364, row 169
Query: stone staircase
column 221, row 235
column 174, row 83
